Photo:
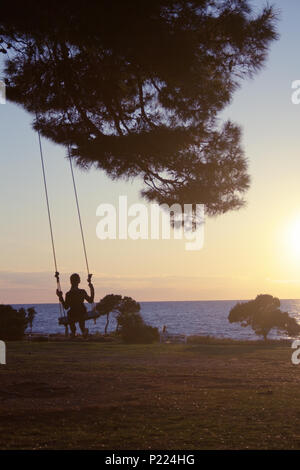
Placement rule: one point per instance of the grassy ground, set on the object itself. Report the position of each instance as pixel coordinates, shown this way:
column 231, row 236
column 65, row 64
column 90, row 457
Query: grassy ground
column 70, row 395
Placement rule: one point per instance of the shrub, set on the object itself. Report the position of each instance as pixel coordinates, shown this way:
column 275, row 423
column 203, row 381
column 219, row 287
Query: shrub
column 13, row 323
column 134, row 330
column 126, row 307
column 130, row 324
column 263, row 314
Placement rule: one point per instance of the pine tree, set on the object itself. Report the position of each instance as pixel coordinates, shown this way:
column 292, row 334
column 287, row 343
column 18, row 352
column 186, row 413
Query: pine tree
column 135, row 88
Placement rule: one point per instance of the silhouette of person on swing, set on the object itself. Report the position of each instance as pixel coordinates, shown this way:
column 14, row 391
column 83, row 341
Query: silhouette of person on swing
column 75, row 303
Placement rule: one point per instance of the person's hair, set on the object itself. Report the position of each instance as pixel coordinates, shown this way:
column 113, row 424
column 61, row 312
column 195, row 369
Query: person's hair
column 74, row 278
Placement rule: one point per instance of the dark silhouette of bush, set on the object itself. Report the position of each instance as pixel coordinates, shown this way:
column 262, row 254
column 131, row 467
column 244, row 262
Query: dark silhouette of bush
column 132, row 326
column 134, row 329
column 263, row 315
column 126, row 307
column 130, row 323
column 13, row 323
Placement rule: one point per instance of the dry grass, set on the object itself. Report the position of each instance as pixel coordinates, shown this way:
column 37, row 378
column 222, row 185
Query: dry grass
column 93, row 395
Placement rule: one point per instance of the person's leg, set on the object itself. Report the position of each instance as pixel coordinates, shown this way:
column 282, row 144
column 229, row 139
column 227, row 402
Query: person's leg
column 72, row 323
column 82, row 327
column 73, row 329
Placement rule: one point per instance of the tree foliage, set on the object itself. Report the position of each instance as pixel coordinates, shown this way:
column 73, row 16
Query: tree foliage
column 263, row 314
column 126, row 307
column 133, row 327
column 129, row 320
column 135, row 88
column 13, row 322
column 117, row 304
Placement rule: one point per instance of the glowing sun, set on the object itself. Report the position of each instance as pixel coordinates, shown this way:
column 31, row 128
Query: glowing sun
column 293, row 237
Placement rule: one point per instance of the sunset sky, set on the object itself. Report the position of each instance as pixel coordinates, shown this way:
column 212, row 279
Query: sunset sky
column 251, row 251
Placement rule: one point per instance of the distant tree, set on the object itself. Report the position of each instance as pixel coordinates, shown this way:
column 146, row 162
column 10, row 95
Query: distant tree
column 31, row 313
column 109, row 304
column 133, row 327
column 129, row 320
column 13, row 322
column 263, row 314
column 127, row 306
column 135, row 87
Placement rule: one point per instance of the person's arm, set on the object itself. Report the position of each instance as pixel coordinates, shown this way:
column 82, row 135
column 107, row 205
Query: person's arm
column 61, row 299
column 90, row 298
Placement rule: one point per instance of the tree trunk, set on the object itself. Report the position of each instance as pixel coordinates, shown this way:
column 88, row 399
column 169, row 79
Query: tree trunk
column 265, row 334
column 107, row 322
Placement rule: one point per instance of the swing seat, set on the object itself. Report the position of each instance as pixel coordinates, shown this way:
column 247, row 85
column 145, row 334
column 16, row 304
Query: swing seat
column 92, row 315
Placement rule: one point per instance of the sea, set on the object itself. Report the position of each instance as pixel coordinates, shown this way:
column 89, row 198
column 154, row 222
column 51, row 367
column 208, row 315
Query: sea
column 205, row 318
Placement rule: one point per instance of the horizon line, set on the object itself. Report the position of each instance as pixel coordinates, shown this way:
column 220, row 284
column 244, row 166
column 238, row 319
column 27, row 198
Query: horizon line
column 149, row 301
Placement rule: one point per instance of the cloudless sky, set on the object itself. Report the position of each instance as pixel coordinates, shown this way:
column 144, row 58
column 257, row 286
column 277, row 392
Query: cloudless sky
column 251, row 251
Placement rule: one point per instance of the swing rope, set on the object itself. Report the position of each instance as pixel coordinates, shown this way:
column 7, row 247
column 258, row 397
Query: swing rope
column 80, row 221
column 78, row 212
column 61, row 309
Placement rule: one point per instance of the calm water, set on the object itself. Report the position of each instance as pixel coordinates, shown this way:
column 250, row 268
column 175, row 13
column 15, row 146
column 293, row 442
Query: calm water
column 191, row 318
